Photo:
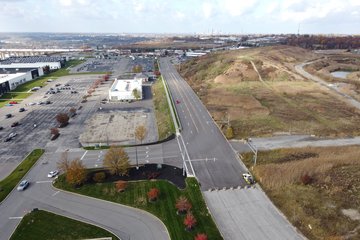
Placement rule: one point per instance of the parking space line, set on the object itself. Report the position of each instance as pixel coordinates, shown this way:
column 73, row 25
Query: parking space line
column 15, row 217
column 49, row 181
column 83, row 155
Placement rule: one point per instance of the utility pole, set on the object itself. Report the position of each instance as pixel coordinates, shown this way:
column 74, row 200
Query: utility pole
column 253, row 149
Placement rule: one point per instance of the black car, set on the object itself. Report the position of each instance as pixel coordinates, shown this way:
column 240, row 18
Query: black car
column 9, row 115
column 22, row 110
column 14, row 124
column 1, row 128
column 57, row 85
column 48, row 102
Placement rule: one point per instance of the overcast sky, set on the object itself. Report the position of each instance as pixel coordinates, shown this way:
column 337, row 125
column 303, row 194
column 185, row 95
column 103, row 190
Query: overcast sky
column 181, row 16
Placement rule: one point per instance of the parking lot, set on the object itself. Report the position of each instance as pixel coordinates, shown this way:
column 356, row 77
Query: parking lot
column 43, row 115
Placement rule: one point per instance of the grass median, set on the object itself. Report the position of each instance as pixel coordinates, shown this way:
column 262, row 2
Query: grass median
column 135, row 195
column 162, row 111
column 43, row 225
column 8, row 184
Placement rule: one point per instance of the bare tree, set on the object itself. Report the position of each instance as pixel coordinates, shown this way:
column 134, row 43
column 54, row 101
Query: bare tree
column 140, row 133
column 117, row 160
column 64, row 163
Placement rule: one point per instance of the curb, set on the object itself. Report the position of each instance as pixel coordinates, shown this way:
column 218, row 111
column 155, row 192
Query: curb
column 109, row 202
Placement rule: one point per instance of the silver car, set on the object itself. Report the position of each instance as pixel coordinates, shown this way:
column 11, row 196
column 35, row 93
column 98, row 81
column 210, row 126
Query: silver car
column 23, row 185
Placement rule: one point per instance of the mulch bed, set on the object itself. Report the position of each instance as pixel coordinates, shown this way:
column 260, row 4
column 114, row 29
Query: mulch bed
column 146, row 172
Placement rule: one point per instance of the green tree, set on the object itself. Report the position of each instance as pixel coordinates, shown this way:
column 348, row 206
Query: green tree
column 136, row 94
column 117, row 161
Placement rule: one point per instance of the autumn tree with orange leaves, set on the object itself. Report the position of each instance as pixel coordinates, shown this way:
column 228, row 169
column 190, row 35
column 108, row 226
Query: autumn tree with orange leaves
column 76, row 172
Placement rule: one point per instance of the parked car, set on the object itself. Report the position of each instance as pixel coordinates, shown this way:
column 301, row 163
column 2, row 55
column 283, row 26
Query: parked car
column 1, row 128
column 9, row 115
column 53, row 173
column 66, row 85
column 13, row 134
column 23, row 185
column 8, row 139
column 48, row 102
column 248, row 178
column 74, row 92
column 31, row 104
column 13, row 102
column 57, row 85
column 177, row 101
column 14, row 124
column 49, row 80
column 22, row 110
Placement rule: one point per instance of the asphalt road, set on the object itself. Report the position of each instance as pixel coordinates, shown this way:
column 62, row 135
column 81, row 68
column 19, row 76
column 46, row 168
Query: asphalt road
column 240, row 213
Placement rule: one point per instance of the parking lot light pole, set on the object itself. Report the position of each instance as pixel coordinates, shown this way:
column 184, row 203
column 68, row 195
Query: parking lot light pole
column 136, row 156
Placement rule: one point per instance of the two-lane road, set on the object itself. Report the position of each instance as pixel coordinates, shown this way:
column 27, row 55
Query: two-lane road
column 240, row 213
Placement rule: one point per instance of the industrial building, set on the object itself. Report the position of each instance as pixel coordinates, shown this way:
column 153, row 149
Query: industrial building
column 126, row 90
column 9, row 82
column 32, row 62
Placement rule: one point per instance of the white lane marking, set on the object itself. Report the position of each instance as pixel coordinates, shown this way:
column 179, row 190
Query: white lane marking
column 83, row 155
column 44, row 181
column 55, row 193
column 15, row 217
column 190, row 132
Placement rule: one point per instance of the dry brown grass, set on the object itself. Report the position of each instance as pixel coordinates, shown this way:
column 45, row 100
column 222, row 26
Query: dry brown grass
column 275, row 176
column 229, row 86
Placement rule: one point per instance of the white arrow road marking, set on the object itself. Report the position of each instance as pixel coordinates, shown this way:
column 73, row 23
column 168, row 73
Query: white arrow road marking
column 44, row 181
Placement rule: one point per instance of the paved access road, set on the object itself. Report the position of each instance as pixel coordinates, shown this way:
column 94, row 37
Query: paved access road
column 240, row 213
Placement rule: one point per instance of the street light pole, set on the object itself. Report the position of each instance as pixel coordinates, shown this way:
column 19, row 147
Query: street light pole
column 137, row 163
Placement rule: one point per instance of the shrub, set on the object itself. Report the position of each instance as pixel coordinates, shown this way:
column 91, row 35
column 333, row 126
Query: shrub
column 306, row 179
column 99, row 177
column 153, row 194
column 201, row 236
column 189, row 221
column 120, row 186
column 182, row 205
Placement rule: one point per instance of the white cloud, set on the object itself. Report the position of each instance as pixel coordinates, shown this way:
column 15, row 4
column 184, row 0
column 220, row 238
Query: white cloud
column 65, row 3
column 207, row 9
column 237, row 8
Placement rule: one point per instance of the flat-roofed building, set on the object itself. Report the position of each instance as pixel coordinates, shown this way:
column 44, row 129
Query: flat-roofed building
column 126, row 90
column 9, row 82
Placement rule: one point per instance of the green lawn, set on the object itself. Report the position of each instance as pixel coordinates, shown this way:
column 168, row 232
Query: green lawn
column 162, row 111
column 42, row 225
column 163, row 208
column 7, row 185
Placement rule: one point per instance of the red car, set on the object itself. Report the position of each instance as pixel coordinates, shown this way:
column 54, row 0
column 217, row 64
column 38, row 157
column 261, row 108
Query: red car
column 13, row 102
column 177, row 101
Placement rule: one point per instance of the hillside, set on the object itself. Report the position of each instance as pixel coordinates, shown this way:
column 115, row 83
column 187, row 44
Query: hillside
column 260, row 92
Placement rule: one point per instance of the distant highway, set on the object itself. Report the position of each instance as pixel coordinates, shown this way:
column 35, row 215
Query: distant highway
column 240, row 213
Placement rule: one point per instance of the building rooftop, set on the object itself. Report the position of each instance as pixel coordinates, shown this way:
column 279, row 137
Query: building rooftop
column 32, row 59
column 7, row 77
column 126, row 85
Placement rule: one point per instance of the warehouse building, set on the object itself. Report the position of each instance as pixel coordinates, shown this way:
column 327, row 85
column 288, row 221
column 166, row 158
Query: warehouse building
column 126, row 90
column 33, row 62
column 9, row 82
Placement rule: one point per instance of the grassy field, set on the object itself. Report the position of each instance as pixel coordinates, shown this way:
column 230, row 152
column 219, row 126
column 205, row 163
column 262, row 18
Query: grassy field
column 162, row 111
column 318, row 189
column 283, row 102
column 163, row 208
column 43, row 225
column 8, row 184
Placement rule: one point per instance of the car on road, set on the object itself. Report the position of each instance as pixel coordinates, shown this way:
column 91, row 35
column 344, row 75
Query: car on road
column 53, row 174
column 22, row 110
column 248, row 178
column 9, row 115
column 14, row 124
column 23, row 185
column 13, row 134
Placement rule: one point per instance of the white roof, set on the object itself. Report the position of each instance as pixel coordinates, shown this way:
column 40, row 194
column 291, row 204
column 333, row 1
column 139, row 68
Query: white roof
column 126, row 85
column 7, row 77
